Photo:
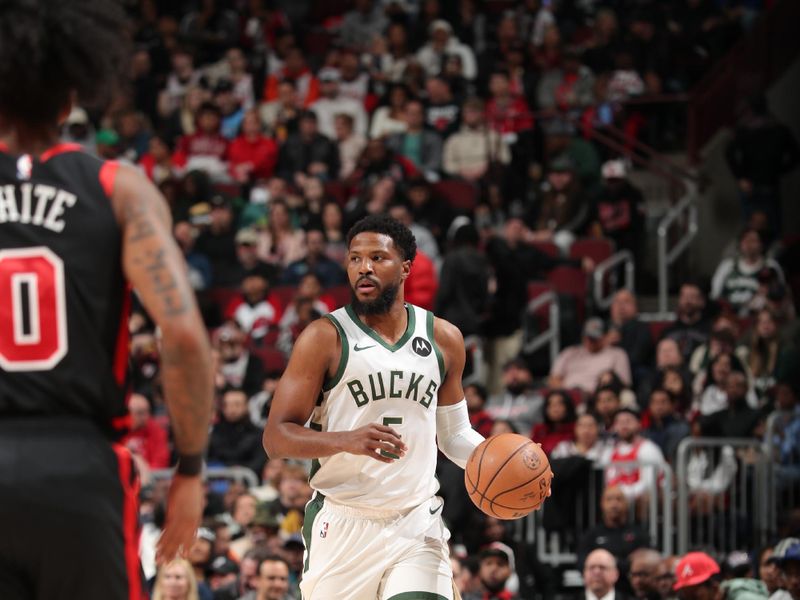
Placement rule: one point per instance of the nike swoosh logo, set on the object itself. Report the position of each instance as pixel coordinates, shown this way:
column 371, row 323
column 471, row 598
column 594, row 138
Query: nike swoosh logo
column 357, row 349
column 435, row 510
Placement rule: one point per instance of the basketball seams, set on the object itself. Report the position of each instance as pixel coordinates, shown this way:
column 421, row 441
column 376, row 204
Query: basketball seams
column 501, row 467
column 521, row 485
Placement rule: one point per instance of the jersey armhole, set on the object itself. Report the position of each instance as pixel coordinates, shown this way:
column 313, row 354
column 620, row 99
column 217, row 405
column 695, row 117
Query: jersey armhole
column 108, row 175
column 439, row 357
column 331, row 383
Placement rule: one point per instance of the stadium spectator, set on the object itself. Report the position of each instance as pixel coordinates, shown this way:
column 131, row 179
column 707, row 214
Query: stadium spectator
column 307, row 151
column 146, row 438
column 296, row 70
column 328, row 272
column 181, row 78
column 580, row 366
column 238, row 368
column 252, row 155
column 737, row 419
column 517, row 400
column 293, row 494
column 473, row 151
column 426, row 242
column 691, row 326
column 643, row 565
column 211, row 29
column 200, row 274
column 157, row 162
column 281, row 243
column 332, row 102
column 217, row 241
column 207, row 148
column 629, row 333
column 463, row 295
column 361, row 23
column 665, row 578
column 442, row 112
column 420, row 146
column 568, row 86
column 230, row 108
column 605, row 403
column 563, row 208
column 442, row 42
column 697, row 577
column 280, row 116
column 506, row 113
column 354, row 82
column 636, row 481
column 613, row 534
column 254, row 311
column 476, row 396
column 558, row 423
column 242, row 514
column 236, row 72
column 176, row 581
column 388, row 118
column 736, row 279
column 715, row 393
column 199, row 556
column 222, row 573
column 351, row 144
column 761, row 152
column 619, row 208
column 666, row 427
column 600, row 575
column 235, row 441
column 247, row 256
column 587, row 441
column 309, row 290
column 768, row 570
column 496, row 567
column 272, row 581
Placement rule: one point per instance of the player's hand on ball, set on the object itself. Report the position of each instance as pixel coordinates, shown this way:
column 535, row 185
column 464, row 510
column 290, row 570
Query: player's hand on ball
column 184, row 512
column 376, row 441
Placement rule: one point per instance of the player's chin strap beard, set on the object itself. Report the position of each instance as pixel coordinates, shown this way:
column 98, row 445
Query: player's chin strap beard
column 379, row 306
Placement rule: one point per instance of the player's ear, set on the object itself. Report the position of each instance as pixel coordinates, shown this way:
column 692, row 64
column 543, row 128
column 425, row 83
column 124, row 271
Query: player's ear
column 406, row 269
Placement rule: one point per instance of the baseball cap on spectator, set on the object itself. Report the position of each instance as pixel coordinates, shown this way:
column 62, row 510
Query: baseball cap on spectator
column 204, row 533
column 107, row 137
column 500, row 550
column 737, row 563
column 562, row 163
column 440, row 24
column 329, row 74
column 594, row 328
column 219, row 201
column 247, row 237
column 791, row 553
column 222, row 565
column 693, row 569
column 614, row 169
column 223, row 85
column 781, row 547
column 294, row 540
column 77, row 116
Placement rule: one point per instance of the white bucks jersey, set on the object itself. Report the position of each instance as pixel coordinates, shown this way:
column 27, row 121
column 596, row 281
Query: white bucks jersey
column 391, row 384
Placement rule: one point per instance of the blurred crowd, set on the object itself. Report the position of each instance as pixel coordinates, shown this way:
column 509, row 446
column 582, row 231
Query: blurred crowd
column 271, row 127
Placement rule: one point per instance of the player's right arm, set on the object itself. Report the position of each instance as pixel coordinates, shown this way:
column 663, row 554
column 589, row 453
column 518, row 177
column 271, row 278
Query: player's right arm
column 315, row 355
column 156, row 269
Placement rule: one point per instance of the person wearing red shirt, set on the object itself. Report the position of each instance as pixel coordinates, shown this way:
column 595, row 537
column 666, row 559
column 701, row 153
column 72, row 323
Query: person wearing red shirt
column 421, row 284
column 146, row 437
column 252, row 155
column 206, row 148
column 506, row 113
column 559, row 421
column 294, row 69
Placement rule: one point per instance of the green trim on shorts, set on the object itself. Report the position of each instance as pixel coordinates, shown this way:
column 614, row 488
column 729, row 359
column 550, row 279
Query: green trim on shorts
column 418, row 596
column 342, row 359
column 312, row 510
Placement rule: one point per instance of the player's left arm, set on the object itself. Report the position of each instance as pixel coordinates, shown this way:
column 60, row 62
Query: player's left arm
column 455, row 436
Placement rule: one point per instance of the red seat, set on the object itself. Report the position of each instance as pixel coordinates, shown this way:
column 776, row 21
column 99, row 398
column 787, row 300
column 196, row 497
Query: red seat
column 231, row 190
column 598, row 249
column 536, row 289
column 273, row 359
column 284, row 294
column 341, row 294
column 459, row 195
column 221, row 297
column 548, row 248
column 338, row 191
column 657, row 329
column 571, row 281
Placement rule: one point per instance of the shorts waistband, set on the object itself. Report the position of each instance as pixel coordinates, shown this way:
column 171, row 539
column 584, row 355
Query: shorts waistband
column 347, row 510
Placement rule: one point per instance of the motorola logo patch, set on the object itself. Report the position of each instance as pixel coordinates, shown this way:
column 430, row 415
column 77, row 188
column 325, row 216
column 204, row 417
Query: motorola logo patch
column 421, row 346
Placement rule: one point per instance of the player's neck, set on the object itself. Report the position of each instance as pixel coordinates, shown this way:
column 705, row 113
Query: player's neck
column 19, row 139
column 390, row 325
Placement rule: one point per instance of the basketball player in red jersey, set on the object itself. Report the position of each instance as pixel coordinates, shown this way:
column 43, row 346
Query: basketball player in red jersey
column 75, row 234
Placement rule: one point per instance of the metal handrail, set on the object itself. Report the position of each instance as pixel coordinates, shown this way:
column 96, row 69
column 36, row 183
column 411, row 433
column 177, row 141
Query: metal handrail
column 666, row 256
column 623, row 256
column 243, row 474
column 552, row 334
column 682, row 464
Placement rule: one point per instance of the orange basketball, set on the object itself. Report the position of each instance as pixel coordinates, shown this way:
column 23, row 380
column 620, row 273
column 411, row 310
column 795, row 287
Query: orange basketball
column 508, row 476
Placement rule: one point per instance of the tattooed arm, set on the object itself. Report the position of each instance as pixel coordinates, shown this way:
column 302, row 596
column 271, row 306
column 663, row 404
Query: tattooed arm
column 156, row 269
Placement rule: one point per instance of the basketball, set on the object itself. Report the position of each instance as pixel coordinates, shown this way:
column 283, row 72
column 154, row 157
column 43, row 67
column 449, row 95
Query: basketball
column 508, row 476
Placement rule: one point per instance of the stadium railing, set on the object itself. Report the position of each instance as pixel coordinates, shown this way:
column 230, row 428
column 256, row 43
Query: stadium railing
column 238, row 474
column 730, row 509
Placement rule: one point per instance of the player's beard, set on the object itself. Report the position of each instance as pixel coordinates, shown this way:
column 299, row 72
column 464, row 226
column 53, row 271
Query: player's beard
column 378, row 306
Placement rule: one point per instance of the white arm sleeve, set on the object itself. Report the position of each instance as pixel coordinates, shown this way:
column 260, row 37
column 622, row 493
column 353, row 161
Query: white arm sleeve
column 455, row 436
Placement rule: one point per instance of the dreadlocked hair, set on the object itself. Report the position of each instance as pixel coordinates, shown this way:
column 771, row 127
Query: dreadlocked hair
column 50, row 49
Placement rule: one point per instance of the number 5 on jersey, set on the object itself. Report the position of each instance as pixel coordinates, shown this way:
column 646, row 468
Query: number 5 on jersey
column 390, row 422
column 33, row 311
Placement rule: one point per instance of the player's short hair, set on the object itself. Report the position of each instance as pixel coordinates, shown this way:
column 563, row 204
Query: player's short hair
column 50, row 49
column 401, row 235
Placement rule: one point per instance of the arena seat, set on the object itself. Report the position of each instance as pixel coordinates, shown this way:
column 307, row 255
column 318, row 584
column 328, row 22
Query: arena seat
column 459, row 194
column 598, row 249
column 571, row 281
column 548, row 248
column 340, row 294
column 272, row 358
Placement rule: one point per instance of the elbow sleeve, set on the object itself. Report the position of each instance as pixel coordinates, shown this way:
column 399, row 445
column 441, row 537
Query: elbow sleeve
column 456, row 437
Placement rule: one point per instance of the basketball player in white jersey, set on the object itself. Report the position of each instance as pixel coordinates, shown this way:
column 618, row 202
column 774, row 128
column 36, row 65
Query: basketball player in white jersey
column 378, row 382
